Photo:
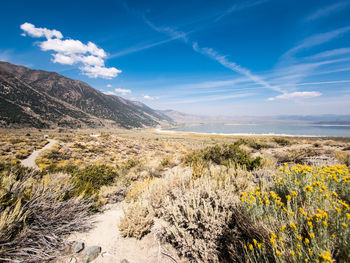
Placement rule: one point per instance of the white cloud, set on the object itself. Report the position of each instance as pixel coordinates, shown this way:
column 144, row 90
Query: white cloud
column 147, row 97
column 123, row 91
column 70, row 51
column 297, row 95
column 33, row 31
column 109, row 86
column 109, row 93
column 97, row 71
column 72, row 47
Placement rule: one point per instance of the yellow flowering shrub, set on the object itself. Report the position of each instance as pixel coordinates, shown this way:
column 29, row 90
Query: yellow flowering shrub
column 307, row 213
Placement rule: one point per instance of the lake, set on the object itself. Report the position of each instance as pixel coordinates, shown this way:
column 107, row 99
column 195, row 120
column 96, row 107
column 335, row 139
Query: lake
column 268, row 129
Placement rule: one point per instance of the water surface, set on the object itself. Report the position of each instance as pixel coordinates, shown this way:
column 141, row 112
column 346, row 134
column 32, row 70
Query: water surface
column 269, row 129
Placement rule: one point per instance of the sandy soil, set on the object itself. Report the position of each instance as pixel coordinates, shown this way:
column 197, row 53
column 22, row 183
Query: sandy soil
column 115, row 248
column 30, row 160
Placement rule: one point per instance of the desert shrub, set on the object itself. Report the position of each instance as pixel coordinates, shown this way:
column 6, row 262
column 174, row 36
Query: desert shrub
column 22, row 154
column 201, row 219
column 137, row 190
column 282, row 141
column 306, row 212
column 16, row 140
column 79, row 146
column 159, row 188
column 255, row 144
column 296, row 156
column 224, row 155
column 137, row 220
column 130, row 163
column 87, row 181
column 34, row 216
column 343, row 157
column 113, row 193
column 167, row 162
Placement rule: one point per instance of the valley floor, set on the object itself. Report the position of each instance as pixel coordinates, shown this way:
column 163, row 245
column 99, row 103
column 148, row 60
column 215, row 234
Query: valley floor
column 140, row 194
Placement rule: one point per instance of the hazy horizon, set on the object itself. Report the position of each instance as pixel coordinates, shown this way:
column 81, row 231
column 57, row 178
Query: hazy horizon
column 230, row 58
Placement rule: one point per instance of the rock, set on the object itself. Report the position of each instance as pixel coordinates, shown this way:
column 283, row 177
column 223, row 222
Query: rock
column 79, row 246
column 91, row 253
column 124, row 261
column 72, row 260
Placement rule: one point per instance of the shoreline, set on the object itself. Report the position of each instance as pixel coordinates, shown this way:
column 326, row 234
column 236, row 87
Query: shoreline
column 243, row 134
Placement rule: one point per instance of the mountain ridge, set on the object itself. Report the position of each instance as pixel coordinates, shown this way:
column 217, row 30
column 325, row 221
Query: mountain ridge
column 55, row 100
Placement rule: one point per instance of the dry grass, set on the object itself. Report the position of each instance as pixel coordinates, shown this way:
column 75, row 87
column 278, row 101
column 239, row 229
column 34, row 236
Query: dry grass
column 35, row 215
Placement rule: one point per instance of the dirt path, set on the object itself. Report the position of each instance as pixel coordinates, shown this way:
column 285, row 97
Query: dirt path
column 30, row 161
column 115, row 248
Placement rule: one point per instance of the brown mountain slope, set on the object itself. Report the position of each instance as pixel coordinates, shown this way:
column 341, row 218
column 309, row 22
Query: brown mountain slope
column 46, row 99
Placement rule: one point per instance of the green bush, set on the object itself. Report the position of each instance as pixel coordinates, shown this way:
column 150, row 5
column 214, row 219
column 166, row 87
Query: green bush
column 88, row 181
column 130, row 163
column 224, row 155
column 254, row 144
column 282, row 141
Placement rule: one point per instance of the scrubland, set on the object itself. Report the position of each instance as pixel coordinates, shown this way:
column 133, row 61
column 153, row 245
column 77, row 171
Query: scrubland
column 212, row 198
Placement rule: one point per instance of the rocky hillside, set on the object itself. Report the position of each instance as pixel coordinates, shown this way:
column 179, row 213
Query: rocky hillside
column 47, row 99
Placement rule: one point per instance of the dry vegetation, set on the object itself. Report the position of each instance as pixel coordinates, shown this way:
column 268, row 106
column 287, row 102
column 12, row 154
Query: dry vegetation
column 217, row 199
column 15, row 147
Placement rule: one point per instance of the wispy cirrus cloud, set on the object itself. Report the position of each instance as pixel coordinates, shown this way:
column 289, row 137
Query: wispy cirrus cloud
column 69, row 51
column 315, row 40
column 210, row 98
column 327, row 10
column 213, row 54
column 324, row 82
column 239, row 7
column 211, row 84
column 224, row 61
column 330, row 53
column 139, row 48
column 5, row 55
column 296, row 68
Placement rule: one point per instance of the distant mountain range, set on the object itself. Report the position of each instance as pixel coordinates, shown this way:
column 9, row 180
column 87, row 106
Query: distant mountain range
column 326, row 119
column 41, row 99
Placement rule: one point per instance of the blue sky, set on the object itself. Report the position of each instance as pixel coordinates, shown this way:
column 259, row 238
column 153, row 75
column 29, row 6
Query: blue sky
column 243, row 57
